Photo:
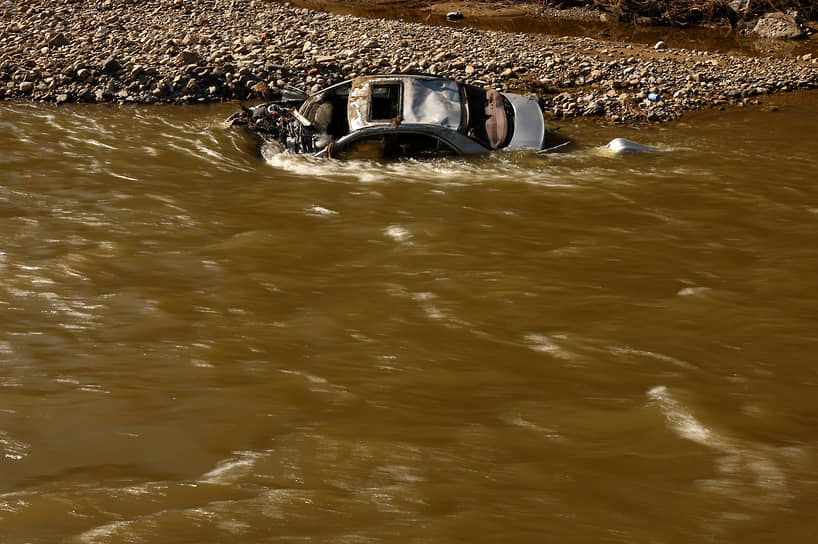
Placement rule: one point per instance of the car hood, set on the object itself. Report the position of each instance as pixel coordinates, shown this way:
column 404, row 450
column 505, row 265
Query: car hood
column 529, row 124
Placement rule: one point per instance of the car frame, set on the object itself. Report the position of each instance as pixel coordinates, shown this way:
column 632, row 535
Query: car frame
column 399, row 115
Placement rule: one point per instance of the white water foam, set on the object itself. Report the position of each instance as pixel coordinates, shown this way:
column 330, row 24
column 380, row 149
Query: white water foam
column 12, row 449
column 749, row 472
column 233, row 469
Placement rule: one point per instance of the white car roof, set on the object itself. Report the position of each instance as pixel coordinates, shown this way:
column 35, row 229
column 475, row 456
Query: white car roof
column 424, row 100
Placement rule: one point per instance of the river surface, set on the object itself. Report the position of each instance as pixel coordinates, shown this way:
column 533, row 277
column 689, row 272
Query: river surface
column 198, row 345
column 511, row 18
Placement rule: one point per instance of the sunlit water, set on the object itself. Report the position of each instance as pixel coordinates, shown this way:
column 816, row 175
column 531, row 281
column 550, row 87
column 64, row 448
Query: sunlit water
column 199, row 345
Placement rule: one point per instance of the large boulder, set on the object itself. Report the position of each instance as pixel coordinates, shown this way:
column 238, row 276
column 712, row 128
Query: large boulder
column 779, row 26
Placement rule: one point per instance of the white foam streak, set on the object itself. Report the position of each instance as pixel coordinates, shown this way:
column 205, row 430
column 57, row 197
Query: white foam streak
column 750, row 472
column 449, row 172
column 12, row 449
column 233, row 469
column 103, row 533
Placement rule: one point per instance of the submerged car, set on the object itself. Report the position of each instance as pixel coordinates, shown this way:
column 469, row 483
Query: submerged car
column 398, row 116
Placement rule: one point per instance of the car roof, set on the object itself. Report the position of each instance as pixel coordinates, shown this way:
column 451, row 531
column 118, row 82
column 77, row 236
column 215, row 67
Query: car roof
column 422, row 100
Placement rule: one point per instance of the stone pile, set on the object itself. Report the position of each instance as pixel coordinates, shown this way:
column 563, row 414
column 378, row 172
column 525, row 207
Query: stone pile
column 194, row 51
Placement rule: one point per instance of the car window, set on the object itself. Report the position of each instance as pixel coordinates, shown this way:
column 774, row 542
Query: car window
column 369, row 147
column 384, row 101
column 420, row 146
column 400, row 145
column 328, row 111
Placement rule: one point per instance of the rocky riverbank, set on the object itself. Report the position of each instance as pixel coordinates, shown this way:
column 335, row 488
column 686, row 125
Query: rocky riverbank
column 194, row 51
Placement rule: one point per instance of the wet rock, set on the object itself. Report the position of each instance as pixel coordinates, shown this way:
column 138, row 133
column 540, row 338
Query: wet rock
column 26, row 86
column 660, row 46
column 779, row 26
column 454, row 16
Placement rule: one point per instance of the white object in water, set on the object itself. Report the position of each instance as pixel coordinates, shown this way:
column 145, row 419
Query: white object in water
column 621, row 145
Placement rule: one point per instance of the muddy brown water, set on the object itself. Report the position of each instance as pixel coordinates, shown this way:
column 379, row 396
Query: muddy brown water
column 716, row 39
column 201, row 346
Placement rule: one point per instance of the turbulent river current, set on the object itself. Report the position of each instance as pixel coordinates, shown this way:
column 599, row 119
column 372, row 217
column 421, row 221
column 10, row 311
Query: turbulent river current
column 200, row 345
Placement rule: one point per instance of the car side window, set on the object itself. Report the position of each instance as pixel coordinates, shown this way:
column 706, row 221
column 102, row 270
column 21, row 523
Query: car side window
column 384, row 101
column 420, row 146
column 367, row 147
column 401, row 145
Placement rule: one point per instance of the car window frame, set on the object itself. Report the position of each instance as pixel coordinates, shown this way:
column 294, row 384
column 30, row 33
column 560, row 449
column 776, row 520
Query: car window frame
column 398, row 106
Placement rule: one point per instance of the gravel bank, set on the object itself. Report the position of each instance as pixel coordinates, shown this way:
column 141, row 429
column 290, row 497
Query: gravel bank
column 192, row 51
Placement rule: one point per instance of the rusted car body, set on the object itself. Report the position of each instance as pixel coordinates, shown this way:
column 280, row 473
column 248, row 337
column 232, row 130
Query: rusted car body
column 398, row 116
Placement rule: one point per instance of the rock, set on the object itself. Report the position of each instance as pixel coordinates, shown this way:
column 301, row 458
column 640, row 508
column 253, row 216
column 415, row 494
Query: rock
column 58, row 41
column 174, row 63
column 262, row 90
column 111, row 66
column 62, row 98
column 189, row 57
column 660, row 46
column 779, row 26
column 454, row 16
column 739, row 6
column 440, row 56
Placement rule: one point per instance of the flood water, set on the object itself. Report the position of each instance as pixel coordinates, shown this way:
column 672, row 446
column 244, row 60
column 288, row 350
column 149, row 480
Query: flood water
column 715, row 39
column 201, row 346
